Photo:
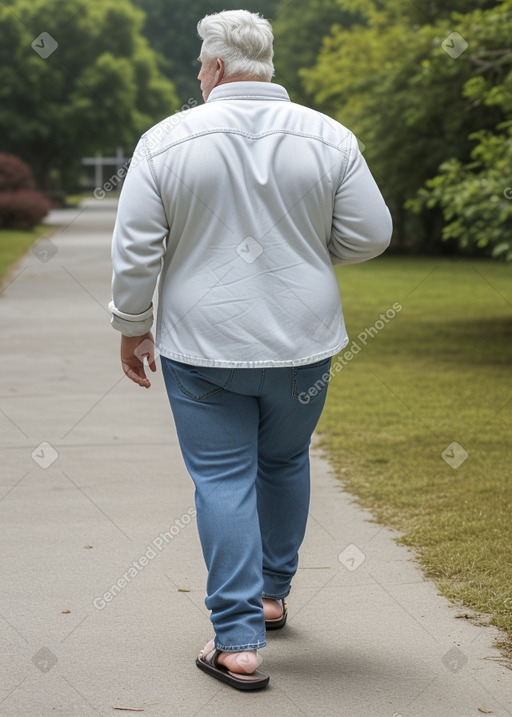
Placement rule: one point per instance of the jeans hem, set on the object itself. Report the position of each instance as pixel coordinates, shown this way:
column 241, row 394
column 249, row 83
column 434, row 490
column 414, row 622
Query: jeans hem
column 241, row 648
column 275, row 596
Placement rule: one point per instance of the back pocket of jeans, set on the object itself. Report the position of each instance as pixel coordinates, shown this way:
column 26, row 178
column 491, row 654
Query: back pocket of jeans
column 311, row 381
column 200, row 382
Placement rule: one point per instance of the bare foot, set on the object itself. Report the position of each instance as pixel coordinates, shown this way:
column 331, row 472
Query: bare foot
column 241, row 662
column 272, row 609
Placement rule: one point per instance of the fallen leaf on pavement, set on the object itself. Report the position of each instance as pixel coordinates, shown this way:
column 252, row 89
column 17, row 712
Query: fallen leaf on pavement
column 130, row 709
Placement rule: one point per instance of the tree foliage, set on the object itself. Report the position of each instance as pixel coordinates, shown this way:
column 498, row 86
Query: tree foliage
column 299, row 29
column 476, row 197
column 476, row 203
column 100, row 88
column 418, row 97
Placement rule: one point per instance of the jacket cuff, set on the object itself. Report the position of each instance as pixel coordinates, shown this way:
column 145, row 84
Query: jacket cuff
column 131, row 324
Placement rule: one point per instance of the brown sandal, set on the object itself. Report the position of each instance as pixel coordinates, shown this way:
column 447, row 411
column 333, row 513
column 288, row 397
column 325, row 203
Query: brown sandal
column 207, row 661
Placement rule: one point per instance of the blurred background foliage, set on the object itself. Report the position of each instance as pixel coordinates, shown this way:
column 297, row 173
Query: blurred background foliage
column 432, row 124
column 100, row 89
column 437, row 129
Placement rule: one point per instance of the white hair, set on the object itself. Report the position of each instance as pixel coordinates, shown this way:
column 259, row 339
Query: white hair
column 242, row 40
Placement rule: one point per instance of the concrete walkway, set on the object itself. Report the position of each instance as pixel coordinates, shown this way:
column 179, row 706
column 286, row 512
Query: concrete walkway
column 102, row 600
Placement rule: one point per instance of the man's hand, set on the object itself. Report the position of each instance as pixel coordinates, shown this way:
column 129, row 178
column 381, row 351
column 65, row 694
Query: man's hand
column 133, row 351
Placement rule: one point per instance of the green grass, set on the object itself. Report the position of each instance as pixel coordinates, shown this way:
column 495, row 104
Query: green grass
column 14, row 243
column 439, row 372
column 73, row 200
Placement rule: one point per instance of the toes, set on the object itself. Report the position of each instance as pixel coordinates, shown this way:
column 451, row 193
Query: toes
column 207, row 648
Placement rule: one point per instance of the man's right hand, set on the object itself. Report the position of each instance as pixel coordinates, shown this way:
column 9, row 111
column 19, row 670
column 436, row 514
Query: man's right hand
column 133, row 351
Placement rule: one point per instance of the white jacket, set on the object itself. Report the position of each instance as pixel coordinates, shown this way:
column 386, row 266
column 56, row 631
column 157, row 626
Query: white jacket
column 240, row 206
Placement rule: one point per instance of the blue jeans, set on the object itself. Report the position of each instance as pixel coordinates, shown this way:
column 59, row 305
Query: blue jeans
column 244, row 435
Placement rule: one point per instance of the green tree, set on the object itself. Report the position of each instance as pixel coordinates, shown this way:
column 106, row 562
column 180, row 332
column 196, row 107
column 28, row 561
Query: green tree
column 299, row 30
column 99, row 88
column 475, row 199
column 391, row 78
column 476, row 196
column 171, row 27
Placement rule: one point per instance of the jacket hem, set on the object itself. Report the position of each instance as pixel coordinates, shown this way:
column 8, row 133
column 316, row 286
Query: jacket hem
column 269, row 363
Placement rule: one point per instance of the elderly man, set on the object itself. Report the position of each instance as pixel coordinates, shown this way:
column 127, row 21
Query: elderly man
column 240, row 209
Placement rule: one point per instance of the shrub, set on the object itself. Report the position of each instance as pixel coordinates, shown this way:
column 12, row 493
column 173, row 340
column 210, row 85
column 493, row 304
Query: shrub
column 21, row 206
column 14, row 174
column 23, row 209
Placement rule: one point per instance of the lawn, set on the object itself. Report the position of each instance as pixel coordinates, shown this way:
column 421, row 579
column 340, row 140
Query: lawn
column 434, row 373
column 14, row 243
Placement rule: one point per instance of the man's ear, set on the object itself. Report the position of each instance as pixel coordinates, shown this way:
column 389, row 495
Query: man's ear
column 219, row 69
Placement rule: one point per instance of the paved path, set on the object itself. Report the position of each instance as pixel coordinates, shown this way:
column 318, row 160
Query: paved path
column 93, row 488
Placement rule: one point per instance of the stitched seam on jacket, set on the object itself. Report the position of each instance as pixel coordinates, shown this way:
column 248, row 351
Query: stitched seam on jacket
column 278, row 97
column 344, row 164
column 152, row 169
column 248, row 135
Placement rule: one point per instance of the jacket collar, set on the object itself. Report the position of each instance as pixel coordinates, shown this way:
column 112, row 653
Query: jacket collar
column 248, row 91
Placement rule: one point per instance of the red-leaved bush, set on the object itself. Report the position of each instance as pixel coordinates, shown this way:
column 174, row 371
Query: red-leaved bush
column 22, row 210
column 15, row 174
column 21, row 206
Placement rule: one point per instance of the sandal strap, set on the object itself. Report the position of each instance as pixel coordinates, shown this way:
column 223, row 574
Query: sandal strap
column 212, row 657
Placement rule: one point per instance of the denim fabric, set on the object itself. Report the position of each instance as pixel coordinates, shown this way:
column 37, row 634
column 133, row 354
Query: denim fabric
column 244, row 435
